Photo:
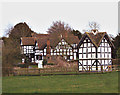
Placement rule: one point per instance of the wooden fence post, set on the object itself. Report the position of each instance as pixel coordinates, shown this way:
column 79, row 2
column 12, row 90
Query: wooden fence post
column 101, row 68
column 89, row 68
column 39, row 71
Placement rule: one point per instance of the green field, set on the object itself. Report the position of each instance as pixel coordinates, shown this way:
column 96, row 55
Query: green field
column 84, row 83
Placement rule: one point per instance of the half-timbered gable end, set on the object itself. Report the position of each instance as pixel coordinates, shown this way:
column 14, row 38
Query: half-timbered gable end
column 64, row 49
column 27, row 48
column 95, row 51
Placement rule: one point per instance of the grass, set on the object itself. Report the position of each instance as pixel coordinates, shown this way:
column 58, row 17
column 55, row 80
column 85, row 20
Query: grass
column 84, row 83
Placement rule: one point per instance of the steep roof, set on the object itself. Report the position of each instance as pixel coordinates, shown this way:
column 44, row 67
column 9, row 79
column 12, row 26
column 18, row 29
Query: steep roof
column 28, row 40
column 96, row 39
column 71, row 39
column 41, row 39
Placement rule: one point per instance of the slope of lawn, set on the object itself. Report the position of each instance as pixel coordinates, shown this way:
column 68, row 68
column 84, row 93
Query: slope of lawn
column 84, row 83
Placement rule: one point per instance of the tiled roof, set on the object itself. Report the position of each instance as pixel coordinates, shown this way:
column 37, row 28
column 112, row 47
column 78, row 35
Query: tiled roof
column 96, row 39
column 70, row 38
column 28, row 41
column 41, row 39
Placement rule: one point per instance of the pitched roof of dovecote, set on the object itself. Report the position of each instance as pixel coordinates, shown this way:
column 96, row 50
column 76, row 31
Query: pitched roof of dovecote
column 96, row 39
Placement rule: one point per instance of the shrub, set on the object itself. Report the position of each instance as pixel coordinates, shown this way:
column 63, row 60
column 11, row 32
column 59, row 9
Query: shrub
column 50, row 64
column 23, row 65
column 44, row 62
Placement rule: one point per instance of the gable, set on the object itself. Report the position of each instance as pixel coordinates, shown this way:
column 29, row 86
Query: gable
column 106, row 39
column 96, row 39
column 63, row 44
column 85, row 39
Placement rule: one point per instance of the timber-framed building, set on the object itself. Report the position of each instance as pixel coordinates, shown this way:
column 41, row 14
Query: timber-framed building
column 95, row 51
column 39, row 46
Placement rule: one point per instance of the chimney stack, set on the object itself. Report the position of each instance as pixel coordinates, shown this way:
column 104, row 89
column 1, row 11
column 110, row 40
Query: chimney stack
column 66, row 35
column 48, row 46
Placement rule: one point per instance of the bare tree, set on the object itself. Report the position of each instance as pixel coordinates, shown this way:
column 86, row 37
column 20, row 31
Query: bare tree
column 93, row 26
column 59, row 27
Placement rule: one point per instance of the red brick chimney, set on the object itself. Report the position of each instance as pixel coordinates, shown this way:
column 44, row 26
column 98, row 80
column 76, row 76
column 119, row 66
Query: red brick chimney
column 66, row 34
column 48, row 46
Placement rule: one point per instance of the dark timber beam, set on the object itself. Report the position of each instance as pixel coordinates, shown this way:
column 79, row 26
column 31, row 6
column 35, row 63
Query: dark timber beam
column 96, row 60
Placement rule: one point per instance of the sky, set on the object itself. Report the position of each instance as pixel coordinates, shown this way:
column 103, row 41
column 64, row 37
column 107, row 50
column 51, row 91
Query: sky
column 40, row 15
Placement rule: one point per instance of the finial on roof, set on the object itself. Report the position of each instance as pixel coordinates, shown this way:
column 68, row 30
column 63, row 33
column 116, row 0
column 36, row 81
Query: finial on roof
column 94, row 31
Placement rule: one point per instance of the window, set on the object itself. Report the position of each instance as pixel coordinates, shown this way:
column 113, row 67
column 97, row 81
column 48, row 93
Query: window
column 71, row 53
column 93, row 55
column 85, row 44
column 93, row 49
column 84, row 50
column 102, row 44
column 89, row 49
column 51, row 53
column 80, row 56
column 44, row 50
column 55, row 53
column 88, row 44
column 105, row 49
column 84, row 55
column 89, row 55
column 67, row 53
column 64, row 53
column 57, row 50
column 60, row 43
column 71, row 57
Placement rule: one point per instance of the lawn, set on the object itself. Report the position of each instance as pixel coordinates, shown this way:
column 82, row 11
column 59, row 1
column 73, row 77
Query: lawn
column 84, row 83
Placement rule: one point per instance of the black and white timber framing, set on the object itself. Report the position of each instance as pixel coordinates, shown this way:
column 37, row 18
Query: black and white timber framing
column 95, row 52
column 35, row 53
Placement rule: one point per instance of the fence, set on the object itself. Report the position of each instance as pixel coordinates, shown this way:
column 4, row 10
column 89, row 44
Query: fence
column 44, row 71
column 58, row 70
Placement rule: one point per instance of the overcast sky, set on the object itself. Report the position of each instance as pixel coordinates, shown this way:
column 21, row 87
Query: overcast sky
column 40, row 15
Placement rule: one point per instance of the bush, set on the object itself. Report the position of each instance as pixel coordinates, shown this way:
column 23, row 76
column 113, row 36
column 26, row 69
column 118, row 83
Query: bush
column 50, row 64
column 44, row 62
column 23, row 65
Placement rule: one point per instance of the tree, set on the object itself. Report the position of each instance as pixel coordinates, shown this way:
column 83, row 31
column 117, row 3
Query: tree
column 11, row 50
column 59, row 27
column 93, row 26
column 19, row 30
column 116, row 43
column 77, row 33
column 111, row 37
column 118, row 53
